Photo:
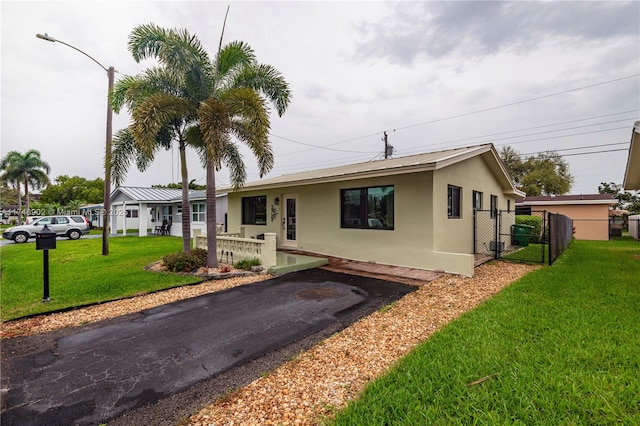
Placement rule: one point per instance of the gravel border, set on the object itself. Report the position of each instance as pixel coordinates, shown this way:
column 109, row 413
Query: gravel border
column 305, row 382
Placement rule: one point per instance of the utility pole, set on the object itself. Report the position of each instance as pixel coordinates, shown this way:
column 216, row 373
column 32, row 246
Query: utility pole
column 388, row 149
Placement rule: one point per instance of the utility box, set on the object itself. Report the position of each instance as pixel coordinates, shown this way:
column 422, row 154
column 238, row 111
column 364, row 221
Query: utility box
column 521, row 234
column 45, row 239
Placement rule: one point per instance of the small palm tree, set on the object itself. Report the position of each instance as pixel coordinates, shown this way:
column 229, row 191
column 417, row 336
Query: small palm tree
column 27, row 169
column 163, row 101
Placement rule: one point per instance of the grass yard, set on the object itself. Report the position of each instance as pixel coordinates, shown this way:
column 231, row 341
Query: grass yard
column 560, row 346
column 80, row 275
column 531, row 253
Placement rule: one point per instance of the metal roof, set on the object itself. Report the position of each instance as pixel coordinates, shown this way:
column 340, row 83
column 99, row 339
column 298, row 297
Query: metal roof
column 148, row 194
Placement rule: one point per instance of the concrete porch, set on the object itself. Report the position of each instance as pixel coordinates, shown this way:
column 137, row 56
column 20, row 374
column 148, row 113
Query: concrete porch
column 291, row 262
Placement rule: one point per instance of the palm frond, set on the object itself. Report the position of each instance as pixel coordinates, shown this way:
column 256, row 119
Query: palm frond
column 157, row 111
column 214, row 125
column 268, row 81
column 232, row 56
column 145, row 41
column 232, row 158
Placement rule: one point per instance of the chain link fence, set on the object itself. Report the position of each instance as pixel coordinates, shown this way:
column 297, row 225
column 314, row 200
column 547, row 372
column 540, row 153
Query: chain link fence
column 498, row 236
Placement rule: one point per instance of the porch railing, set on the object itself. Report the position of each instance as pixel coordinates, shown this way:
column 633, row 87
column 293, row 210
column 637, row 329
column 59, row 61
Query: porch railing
column 232, row 248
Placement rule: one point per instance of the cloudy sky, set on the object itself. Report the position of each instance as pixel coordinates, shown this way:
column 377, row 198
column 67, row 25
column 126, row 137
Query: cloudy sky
column 433, row 75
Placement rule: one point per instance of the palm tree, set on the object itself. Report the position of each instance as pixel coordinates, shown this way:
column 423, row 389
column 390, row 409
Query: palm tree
column 237, row 111
column 216, row 105
column 28, row 169
column 163, row 101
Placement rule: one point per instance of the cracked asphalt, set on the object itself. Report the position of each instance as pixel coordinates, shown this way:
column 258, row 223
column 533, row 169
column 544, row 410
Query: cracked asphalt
column 154, row 366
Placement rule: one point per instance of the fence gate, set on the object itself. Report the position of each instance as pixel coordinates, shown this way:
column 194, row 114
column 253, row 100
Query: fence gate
column 497, row 235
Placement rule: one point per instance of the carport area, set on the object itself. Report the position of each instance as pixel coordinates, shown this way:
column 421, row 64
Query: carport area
column 99, row 372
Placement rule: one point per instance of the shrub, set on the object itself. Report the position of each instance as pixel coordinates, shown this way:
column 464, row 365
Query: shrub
column 246, row 264
column 535, row 221
column 186, row 262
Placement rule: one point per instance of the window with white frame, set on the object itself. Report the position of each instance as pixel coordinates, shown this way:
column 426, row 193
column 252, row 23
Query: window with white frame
column 198, row 212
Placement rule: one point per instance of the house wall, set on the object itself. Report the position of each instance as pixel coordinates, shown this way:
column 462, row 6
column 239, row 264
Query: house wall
column 590, row 220
column 455, row 235
column 319, row 231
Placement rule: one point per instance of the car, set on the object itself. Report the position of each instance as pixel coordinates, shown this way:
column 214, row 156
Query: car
column 70, row 226
column 31, row 219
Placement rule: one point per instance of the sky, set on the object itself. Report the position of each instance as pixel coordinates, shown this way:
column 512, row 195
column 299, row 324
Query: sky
column 536, row 76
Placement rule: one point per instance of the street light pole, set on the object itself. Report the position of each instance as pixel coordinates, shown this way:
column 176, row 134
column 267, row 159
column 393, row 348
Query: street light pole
column 107, row 157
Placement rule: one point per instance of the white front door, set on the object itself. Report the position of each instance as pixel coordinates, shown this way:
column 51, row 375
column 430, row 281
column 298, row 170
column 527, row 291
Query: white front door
column 290, row 221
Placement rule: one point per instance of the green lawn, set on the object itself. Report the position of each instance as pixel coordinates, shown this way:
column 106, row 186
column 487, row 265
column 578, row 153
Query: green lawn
column 560, row 346
column 80, row 275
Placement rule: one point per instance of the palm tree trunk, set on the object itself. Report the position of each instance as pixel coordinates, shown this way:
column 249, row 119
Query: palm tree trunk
column 212, row 243
column 186, row 207
column 26, row 196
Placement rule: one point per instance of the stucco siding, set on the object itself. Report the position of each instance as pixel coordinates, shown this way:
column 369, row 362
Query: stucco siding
column 456, row 234
column 410, row 243
column 591, row 221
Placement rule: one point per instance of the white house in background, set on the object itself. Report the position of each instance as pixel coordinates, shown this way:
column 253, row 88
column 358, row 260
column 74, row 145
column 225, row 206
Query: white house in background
column 146, row 208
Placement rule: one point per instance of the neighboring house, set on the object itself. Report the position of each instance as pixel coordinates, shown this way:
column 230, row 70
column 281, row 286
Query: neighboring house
column 146, row 208
column 590, row 212
column 632, row 172
column 414, row 211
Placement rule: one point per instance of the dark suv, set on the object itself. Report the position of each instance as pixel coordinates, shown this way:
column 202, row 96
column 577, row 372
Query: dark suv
column 71, row 226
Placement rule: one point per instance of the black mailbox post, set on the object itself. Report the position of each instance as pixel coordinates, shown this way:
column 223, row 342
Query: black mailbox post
column 45, row 241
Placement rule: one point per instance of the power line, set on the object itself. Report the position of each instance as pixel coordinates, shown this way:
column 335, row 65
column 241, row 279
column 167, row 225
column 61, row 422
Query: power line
column 518, row 102
column 580, row 147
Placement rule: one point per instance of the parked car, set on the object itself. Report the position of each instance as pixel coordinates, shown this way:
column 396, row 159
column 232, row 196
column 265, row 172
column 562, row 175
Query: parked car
column 72, row 227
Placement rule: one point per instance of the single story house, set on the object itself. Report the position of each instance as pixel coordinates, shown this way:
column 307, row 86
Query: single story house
column 146, row 208
column 632, row 172
column 414, row 211
column 590, row 212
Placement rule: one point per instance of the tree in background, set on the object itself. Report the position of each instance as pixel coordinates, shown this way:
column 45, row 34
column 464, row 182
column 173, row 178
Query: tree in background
column 27, row 169
column 626, row 199
column 545, row 173
column 193, row 186
column 73, row 190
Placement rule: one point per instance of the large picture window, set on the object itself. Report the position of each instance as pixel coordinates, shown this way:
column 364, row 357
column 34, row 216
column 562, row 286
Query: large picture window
column 254, row 210
column 454, row 197
column 198, row 212
column 367, row 208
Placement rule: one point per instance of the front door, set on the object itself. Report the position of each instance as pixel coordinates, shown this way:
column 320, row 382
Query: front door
column 289, row 221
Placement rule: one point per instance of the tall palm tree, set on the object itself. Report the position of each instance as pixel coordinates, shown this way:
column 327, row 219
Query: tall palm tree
column 163, row 101
column 237, row 110
column 219, row 104
column 28, row 169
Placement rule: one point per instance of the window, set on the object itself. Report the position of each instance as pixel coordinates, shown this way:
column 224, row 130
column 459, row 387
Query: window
column 198, row 213
column 454, row 201
column 132, row 213
column 367, row 208
column 494, row 205
column 167, row 214
column 477, row 200
column 508, row 205
column 254, row 210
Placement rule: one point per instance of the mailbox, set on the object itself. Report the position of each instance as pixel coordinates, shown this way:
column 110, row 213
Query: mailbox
column 45, row 239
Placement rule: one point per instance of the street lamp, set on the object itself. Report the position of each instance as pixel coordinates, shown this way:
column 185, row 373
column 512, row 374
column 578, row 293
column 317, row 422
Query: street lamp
column 107, row 157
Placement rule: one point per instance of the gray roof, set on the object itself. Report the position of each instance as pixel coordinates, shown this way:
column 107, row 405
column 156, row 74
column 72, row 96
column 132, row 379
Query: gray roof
column 148, row 194
column 159, row 195
column 392, row 166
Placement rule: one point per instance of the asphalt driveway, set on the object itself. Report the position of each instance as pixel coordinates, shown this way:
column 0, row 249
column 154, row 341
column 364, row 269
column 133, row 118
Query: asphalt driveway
column 99, row 372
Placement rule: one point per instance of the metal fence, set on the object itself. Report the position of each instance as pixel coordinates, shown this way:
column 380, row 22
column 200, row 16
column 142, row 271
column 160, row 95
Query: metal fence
column 497, row 235
column 560, row 235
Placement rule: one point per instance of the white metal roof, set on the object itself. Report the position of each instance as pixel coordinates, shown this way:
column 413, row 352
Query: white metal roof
column 148, row 194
